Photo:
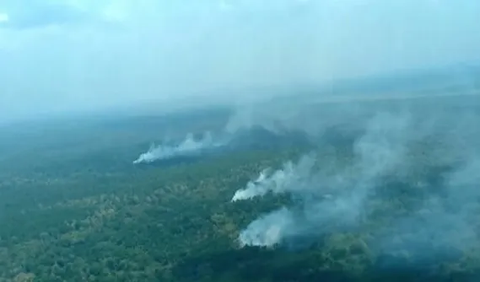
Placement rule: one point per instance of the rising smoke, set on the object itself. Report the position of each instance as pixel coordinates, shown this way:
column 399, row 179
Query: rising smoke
column 281, row 181
column 377, row 152
column 245, row 128
column 188, row 147
column 426, row 159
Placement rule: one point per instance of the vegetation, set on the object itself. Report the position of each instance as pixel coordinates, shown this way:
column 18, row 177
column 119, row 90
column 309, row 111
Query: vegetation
column 78, row 210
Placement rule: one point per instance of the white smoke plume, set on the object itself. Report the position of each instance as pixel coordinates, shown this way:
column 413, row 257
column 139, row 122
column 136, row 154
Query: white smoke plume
column 187, row 147
column 268, row 230
column 326, row 197
column 235, row 132
column 398, row 147
column 281, row 181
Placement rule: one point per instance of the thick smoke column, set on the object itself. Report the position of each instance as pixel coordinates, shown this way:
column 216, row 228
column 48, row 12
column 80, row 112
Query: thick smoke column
column 187, row 147
column 275, row 227
column 399, row 156
column 326, row 198
column 281, row 181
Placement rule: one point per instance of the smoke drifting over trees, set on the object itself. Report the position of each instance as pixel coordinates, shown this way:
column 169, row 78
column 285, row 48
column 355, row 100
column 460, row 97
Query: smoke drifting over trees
column 296, row 187
column 188, row 147
column 409, row 179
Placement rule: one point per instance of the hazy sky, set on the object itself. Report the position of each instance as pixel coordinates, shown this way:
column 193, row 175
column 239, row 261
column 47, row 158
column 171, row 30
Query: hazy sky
column 58, row 55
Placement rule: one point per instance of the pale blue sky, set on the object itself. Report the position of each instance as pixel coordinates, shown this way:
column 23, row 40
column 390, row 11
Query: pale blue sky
column 75, row 55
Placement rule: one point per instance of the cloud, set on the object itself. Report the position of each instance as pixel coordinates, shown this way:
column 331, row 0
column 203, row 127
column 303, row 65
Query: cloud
column 41, row 13
column 4, row 18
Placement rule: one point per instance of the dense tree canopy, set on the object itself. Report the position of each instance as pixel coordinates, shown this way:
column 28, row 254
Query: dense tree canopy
column 80, row 211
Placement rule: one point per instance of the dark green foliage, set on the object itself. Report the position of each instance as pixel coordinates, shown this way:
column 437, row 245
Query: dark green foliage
column 83, row 212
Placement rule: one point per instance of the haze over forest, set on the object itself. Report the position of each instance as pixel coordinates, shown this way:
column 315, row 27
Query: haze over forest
column 82, row 56
column 247, row 140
